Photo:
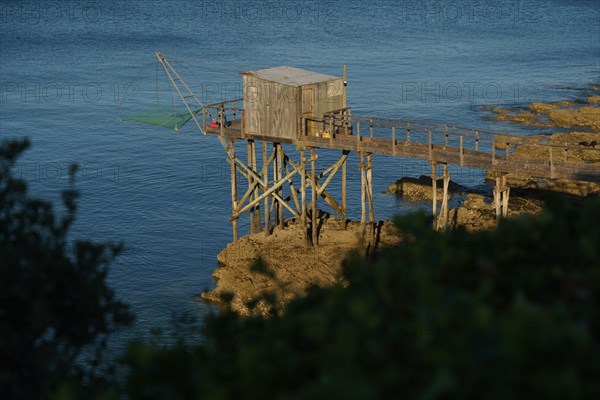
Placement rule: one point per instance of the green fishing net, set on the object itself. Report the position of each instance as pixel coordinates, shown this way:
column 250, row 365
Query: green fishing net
column 164, row 117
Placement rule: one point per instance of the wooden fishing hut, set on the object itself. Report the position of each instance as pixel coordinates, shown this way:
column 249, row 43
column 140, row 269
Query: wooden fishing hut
column 276, row 100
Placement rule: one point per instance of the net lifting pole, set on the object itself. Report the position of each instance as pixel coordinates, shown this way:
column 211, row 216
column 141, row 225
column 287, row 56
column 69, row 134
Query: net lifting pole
column 174, row 78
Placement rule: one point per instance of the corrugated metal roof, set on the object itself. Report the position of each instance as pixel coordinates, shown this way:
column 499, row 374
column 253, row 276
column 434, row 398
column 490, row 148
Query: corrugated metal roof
column 291, row 76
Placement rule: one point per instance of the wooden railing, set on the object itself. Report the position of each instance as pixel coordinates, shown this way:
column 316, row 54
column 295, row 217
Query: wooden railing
column 230, row 110
column 451, row 139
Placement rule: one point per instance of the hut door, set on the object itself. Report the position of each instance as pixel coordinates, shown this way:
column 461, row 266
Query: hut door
column 308, row 109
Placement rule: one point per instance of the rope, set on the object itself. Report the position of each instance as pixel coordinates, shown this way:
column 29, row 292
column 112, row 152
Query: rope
column 156, row 78
column 129, row 83
column 171, row 89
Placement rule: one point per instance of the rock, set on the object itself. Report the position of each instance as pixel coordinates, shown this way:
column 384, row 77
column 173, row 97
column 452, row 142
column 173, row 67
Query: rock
column 476, row 202
column 420, row 189
column 292, row 265
column 593, row 100
column 472, row 220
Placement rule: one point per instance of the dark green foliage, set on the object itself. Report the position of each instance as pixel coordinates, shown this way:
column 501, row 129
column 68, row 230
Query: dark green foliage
column 54, row 306
column 505, row 314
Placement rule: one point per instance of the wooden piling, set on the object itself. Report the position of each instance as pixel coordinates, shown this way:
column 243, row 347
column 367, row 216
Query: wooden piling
column 280, row 176
column 313, row 191
column 256, row 194
column 461, row 151
column 266, row 187
column 505, row 196
column 369, row 190
column 444, row 208
column 363, row 196
column 344, row 216
column 501, row 196
column 294, row 192
column 233, row 190
column 250, row 183
column 303, row 193
column 505, row 201
column 276, row 178
column 496, row 193
column 434, row 193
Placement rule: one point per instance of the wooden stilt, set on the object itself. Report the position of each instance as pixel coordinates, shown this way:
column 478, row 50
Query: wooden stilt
column 344, row 216
column 497, row 197
column 257, row 207
column 501, row 196
column 443, row 218
column 271, row 192
column 293, row 191
column 321, row 187
column 505, row 195
column 276, row 204
column 303, row 192
column 370, row 195
column 280, row 176
column 446, row 194
column 250, row 183
column 363, row 197
column 266, row 186
column 314, row 197
column 434, row 194
column 266, row 191
column 233, row 190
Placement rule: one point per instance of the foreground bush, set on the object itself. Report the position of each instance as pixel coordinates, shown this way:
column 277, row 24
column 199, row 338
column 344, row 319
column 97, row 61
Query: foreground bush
column 505, row 314
column 55, row 304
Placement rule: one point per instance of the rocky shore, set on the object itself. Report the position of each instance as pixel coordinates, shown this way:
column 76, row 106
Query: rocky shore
column 477, row 210
column 293, row 266
column 583, row 121
column 581, row 116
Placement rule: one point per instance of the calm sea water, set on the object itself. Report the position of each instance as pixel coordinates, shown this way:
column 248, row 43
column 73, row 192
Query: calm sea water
column 68, row 69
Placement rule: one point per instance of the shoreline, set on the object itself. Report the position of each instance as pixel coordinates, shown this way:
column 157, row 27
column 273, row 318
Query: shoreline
column 291, row 266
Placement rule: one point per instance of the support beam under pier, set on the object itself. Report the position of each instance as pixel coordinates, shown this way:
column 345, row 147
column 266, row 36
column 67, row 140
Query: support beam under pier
column 440, row 220
column 366, row 178
column 501, row 196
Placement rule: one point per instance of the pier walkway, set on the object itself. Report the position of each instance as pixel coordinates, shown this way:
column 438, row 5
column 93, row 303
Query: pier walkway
column 284, row 106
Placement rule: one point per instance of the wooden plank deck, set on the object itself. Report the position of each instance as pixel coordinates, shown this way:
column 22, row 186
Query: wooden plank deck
column 234, row 129
column 435, row 143
column 470, row 158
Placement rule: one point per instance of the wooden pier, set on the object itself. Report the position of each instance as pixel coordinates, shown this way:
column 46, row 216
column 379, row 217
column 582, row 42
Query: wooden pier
column 287, row 111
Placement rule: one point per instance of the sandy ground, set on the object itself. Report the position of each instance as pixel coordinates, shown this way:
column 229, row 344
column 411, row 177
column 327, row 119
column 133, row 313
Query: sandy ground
column 294, row 264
